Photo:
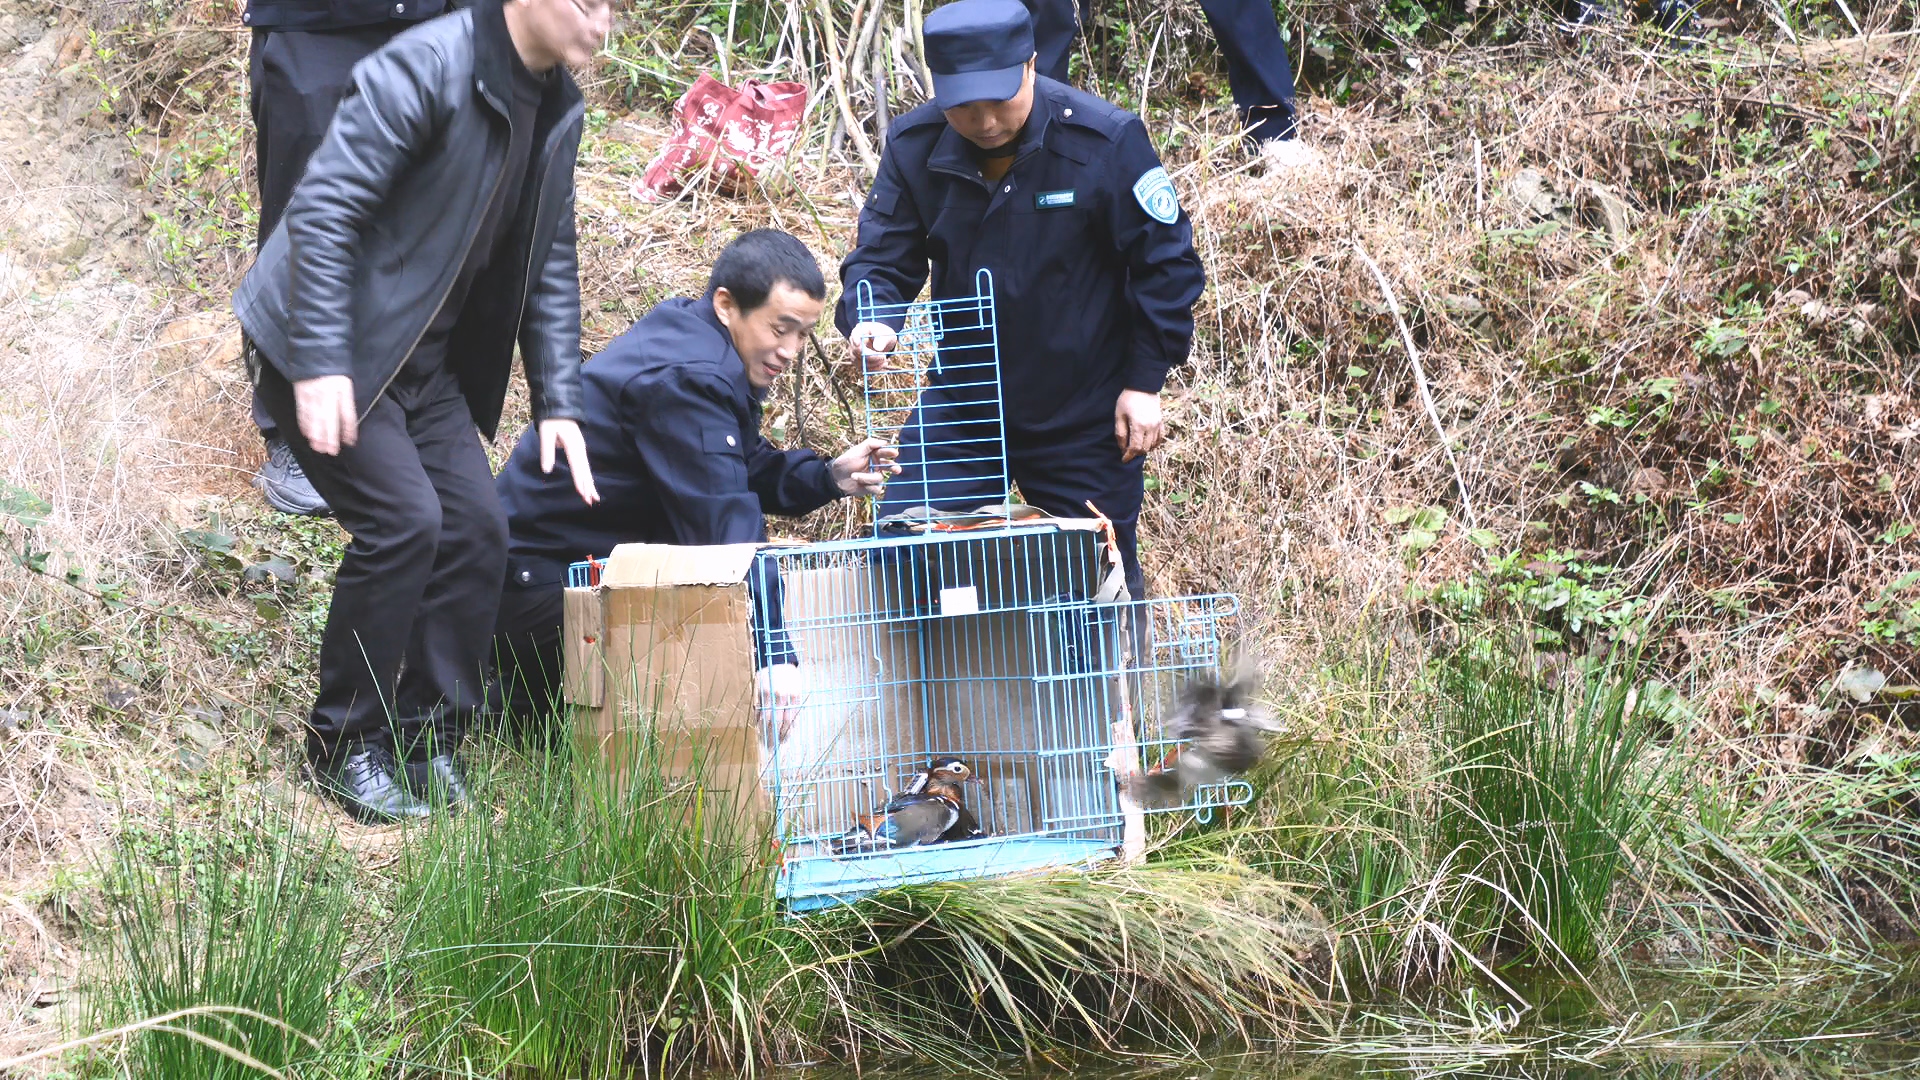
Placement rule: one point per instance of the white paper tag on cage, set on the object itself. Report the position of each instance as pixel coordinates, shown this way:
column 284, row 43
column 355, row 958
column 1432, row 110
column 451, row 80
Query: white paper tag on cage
column 960, row 600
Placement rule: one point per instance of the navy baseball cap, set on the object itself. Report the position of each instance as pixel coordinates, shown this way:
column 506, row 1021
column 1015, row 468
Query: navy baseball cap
column 977, row 50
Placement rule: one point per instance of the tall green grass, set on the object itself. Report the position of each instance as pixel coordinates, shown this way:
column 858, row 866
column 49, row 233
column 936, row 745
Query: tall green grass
column 241, row 927
column 1538, row 793
column 1161, row 957
column 1479, row 817
column 1461, row 821
column 595, row 923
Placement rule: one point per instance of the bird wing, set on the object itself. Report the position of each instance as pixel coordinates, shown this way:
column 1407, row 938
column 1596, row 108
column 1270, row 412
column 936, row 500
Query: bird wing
column 965, row 827
column 921, row 822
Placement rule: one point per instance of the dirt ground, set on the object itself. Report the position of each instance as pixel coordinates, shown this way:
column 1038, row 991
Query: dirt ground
column 104, row 402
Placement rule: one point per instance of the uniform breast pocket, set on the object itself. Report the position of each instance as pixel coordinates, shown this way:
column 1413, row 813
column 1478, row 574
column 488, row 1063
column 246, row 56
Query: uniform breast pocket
column 722, row 441
column 722, row 462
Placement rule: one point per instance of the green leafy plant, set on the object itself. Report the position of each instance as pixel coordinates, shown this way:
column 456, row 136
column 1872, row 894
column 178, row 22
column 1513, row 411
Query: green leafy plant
column 1423, row 525
column 1562, row 600
column 1894, row 613
column 248, row 923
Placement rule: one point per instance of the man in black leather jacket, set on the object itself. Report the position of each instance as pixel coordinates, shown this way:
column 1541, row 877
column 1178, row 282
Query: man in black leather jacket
column 299, row 65
column 433, row 229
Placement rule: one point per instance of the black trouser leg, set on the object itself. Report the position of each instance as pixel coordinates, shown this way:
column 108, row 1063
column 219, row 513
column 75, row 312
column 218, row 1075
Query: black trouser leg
column 1257, row 66
column 1055, row 24
column 387, row 492
column 1063, row 477
column 295, row 80
column 526, row 654
column 444, row 682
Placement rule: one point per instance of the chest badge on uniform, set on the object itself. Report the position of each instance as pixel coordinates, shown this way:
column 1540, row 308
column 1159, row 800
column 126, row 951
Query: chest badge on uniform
column 1154, row 192
column 1053, row 200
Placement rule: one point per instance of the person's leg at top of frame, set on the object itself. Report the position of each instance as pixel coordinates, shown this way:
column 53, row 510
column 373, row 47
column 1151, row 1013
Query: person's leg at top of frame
column 299, row 65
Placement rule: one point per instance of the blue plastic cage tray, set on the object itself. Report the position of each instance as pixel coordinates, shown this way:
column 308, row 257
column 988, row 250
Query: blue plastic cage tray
column 812, row 884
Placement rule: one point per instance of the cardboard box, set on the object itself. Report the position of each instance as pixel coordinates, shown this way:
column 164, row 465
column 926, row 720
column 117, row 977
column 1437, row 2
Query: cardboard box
column 662, row 649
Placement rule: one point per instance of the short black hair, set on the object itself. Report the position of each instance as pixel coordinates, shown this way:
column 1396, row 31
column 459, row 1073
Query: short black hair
column 756, row 261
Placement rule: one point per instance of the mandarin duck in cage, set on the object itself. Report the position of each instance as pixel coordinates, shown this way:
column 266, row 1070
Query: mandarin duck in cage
column 1222, row 731
column 931, row 809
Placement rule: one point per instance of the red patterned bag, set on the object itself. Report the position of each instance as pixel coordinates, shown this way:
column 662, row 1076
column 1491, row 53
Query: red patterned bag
column 738, row 134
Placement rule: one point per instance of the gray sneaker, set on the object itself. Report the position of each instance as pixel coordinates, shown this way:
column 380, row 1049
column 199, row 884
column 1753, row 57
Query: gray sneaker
column 285, row 486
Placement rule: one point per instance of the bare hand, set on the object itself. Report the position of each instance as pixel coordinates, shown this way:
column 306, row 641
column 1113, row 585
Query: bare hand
column 871, row 345
column 864, row 468
column 567, row 434
column 324, row 407
column 777, row 692
column 1137, row 426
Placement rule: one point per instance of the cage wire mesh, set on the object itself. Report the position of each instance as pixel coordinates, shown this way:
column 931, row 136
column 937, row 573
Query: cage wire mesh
column 938, row 398
column 984, row 646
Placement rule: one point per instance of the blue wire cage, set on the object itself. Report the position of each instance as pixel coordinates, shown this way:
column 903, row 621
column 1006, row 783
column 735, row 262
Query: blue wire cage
column 988, row 646
column 984, row 638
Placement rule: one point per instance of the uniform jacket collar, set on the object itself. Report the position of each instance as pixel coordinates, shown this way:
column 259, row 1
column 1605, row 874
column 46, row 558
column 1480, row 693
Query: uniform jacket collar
column 954, row 154
column 731, row 366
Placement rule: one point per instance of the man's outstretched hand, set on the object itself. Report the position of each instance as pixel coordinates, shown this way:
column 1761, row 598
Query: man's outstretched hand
column 865, row 468
column 1137, row 425
column 567, row 434
column 324, row 408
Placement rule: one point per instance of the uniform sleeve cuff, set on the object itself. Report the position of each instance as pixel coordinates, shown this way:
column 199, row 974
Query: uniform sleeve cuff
column 310, row 366
column 1148, row 377
column 825, row 483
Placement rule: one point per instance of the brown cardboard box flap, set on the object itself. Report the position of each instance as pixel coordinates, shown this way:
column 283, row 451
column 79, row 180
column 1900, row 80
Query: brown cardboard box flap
column 651, row 565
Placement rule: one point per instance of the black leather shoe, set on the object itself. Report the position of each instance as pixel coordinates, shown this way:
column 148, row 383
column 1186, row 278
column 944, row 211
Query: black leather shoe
column 438, row 780
column 362, row 782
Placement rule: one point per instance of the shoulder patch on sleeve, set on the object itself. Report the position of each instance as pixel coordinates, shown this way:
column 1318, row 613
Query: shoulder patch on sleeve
column 1154, row 192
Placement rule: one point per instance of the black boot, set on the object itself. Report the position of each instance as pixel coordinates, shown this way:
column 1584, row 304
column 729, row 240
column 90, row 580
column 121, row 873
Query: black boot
column 362, row 781
column 436, row 779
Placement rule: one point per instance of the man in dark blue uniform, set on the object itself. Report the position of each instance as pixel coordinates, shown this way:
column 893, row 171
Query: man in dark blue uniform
column 1258, row 70
column 1062, row 197
column 672, row 411
column 299, row 65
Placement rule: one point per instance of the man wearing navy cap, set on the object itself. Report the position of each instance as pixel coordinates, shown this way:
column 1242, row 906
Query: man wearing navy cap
column 1061, row 197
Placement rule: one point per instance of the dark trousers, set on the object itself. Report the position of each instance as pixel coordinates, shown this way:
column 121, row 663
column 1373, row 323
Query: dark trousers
column 1247, row 32
column 420, row 580
column 295, row 79
column 525, row 689
column 945, row 466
